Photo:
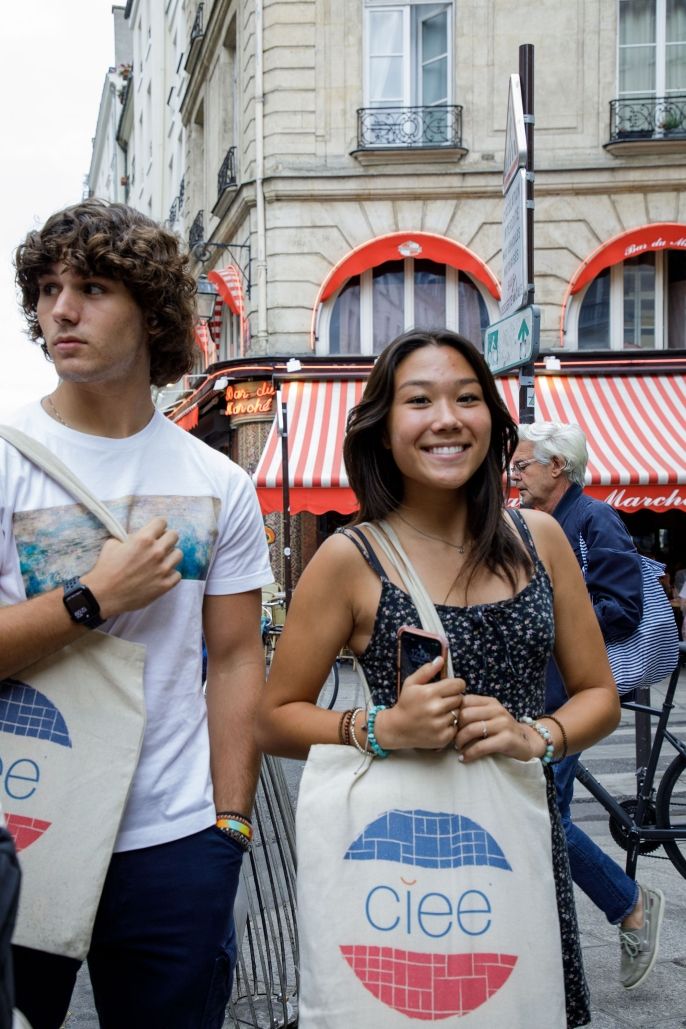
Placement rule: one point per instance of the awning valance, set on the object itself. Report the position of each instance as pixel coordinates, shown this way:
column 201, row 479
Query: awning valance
column 636, row 432
column 316, row 416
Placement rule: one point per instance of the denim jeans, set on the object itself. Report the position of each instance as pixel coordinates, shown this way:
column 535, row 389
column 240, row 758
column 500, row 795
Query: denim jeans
column 601, row 878
column 163, row 948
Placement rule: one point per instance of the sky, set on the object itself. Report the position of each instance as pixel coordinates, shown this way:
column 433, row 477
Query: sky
column 54, row 57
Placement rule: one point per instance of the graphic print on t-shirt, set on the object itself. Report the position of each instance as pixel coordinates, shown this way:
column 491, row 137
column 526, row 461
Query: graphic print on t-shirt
column 56, row 543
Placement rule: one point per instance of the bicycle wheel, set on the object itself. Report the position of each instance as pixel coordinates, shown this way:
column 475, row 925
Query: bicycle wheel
column 671, row 810
column 329, row 691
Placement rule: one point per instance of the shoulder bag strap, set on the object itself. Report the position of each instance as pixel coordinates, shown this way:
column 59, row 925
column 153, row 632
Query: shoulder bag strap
column 387, row 539
column 52, row 466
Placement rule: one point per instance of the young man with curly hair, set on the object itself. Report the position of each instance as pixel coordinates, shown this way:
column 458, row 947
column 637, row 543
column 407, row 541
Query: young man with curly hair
column 108, row 294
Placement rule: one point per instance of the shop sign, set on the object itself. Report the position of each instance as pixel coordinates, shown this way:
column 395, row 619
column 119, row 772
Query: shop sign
column 250, row 400
column 633, row 499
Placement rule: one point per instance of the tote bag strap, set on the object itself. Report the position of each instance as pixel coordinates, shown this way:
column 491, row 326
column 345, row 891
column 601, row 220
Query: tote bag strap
column 52, row 466
column 386, row 537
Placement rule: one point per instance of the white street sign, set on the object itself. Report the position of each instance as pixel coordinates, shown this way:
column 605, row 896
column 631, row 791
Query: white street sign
column 515, row 133
column 514, row 278
column 513, row 341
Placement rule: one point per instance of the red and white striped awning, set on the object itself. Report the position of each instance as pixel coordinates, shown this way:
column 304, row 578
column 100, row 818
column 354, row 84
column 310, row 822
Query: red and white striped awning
column 636, row 432
column 635, row 427
column 316, row 417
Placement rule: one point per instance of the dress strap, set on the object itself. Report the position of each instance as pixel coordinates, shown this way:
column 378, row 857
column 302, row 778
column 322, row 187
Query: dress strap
column 357, row 537
column 524, row 531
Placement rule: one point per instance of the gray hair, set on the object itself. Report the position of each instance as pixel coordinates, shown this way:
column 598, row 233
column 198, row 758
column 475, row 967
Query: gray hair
column 558, row 439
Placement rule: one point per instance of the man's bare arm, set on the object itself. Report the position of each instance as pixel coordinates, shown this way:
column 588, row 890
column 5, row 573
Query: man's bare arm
column 235, row 678
column 126, row 577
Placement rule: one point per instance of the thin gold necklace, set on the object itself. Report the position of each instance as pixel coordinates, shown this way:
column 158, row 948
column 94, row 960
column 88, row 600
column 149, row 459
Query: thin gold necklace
column 459, row 547
column 55, row 413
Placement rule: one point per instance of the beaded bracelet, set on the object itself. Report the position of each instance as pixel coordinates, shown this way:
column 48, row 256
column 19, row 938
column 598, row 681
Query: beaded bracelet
column 547, row 757
column 353, row 738
column 377, row 749
column 236, row 836
column 344, row 727
column 561, row 727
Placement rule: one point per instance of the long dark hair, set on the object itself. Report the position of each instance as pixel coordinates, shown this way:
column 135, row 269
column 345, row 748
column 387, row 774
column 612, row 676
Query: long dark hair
column 376, row 479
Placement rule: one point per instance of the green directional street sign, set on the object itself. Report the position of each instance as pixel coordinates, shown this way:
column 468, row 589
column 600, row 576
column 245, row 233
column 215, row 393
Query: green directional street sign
column 513, row 341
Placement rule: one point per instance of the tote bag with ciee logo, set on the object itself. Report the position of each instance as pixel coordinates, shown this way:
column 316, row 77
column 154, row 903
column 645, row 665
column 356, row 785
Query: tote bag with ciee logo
column 71, row 728
column 425, row 886
column 425, row 893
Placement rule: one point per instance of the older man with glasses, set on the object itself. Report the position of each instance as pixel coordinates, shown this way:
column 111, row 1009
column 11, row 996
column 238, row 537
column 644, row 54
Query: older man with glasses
column 548, row 469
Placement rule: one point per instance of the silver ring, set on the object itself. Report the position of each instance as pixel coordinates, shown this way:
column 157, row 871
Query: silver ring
column 455, row 718
column 484, row 730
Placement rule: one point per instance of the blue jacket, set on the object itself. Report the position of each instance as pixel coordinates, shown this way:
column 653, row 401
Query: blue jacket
column 613, row 576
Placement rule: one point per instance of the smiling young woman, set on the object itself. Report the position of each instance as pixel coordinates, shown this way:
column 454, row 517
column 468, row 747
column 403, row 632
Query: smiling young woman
column 427, row 450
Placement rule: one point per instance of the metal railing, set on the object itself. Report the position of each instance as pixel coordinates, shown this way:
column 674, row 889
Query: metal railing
column 227, row 173
column 409, row 127
column 177, row 205
column 648, row 117
column 197, row 230
column 197, row 28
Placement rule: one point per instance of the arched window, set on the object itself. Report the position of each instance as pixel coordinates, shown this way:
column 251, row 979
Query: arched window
column 638, row 304
column 372, row 308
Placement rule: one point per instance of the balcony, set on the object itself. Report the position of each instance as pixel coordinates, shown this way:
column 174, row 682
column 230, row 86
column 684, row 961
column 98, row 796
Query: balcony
column 197, row 230
column 647, row 124
column 227, row 172
column 410, row 128
column 195, row 40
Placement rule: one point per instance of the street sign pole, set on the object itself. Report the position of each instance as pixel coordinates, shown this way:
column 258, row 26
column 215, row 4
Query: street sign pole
column 527, row 408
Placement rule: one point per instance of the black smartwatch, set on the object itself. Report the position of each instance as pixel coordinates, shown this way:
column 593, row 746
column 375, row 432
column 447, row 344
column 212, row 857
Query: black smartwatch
column 82, row 606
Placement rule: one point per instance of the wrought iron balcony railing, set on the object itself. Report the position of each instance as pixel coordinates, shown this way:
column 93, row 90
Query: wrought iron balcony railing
column 409, row 127
column 195, row 40
column 197, row 29
column 648, row 117
column 176, row 209
column 227, row 172
column 197, row 230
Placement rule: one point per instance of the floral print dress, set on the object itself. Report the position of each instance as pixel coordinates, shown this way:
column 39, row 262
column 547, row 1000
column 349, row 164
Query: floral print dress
column 500, row 650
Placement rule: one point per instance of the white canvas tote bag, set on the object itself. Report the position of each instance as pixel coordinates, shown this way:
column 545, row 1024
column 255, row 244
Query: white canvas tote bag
column 425, row 887
column 71, row 728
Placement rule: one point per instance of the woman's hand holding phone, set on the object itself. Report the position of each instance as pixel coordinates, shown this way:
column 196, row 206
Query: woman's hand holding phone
column 428, row 704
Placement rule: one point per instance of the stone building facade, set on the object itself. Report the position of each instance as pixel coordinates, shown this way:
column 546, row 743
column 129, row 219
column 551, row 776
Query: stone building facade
column 342, row 170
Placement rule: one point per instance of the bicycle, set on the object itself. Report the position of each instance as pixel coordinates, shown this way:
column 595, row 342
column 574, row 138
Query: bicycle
column 654, row 817
column 271, row 630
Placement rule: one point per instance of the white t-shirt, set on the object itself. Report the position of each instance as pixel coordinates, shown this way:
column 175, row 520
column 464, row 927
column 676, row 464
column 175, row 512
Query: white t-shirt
column 46, row 537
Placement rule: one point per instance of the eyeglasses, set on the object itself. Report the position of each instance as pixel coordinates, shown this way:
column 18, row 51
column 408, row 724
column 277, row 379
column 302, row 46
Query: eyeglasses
column 520, row 466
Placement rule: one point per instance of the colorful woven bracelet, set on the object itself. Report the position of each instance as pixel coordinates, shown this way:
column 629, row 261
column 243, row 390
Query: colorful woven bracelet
column 377, row 749
column 545, row 734
column 561, row 727
column 232, row 825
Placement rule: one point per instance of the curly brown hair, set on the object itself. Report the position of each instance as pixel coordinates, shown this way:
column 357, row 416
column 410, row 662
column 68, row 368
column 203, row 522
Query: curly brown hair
column 117, row 242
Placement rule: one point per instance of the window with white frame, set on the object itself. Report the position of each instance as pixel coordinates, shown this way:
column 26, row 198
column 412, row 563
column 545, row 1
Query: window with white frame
column 373, row 308
column 639, row 304
column 652, row 48
column 408, row 61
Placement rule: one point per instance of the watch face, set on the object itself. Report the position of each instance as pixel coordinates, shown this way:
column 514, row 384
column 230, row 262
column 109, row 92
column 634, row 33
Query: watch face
column 82, row 606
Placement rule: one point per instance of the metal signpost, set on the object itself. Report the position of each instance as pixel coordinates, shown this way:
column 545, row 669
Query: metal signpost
column 513, row 341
